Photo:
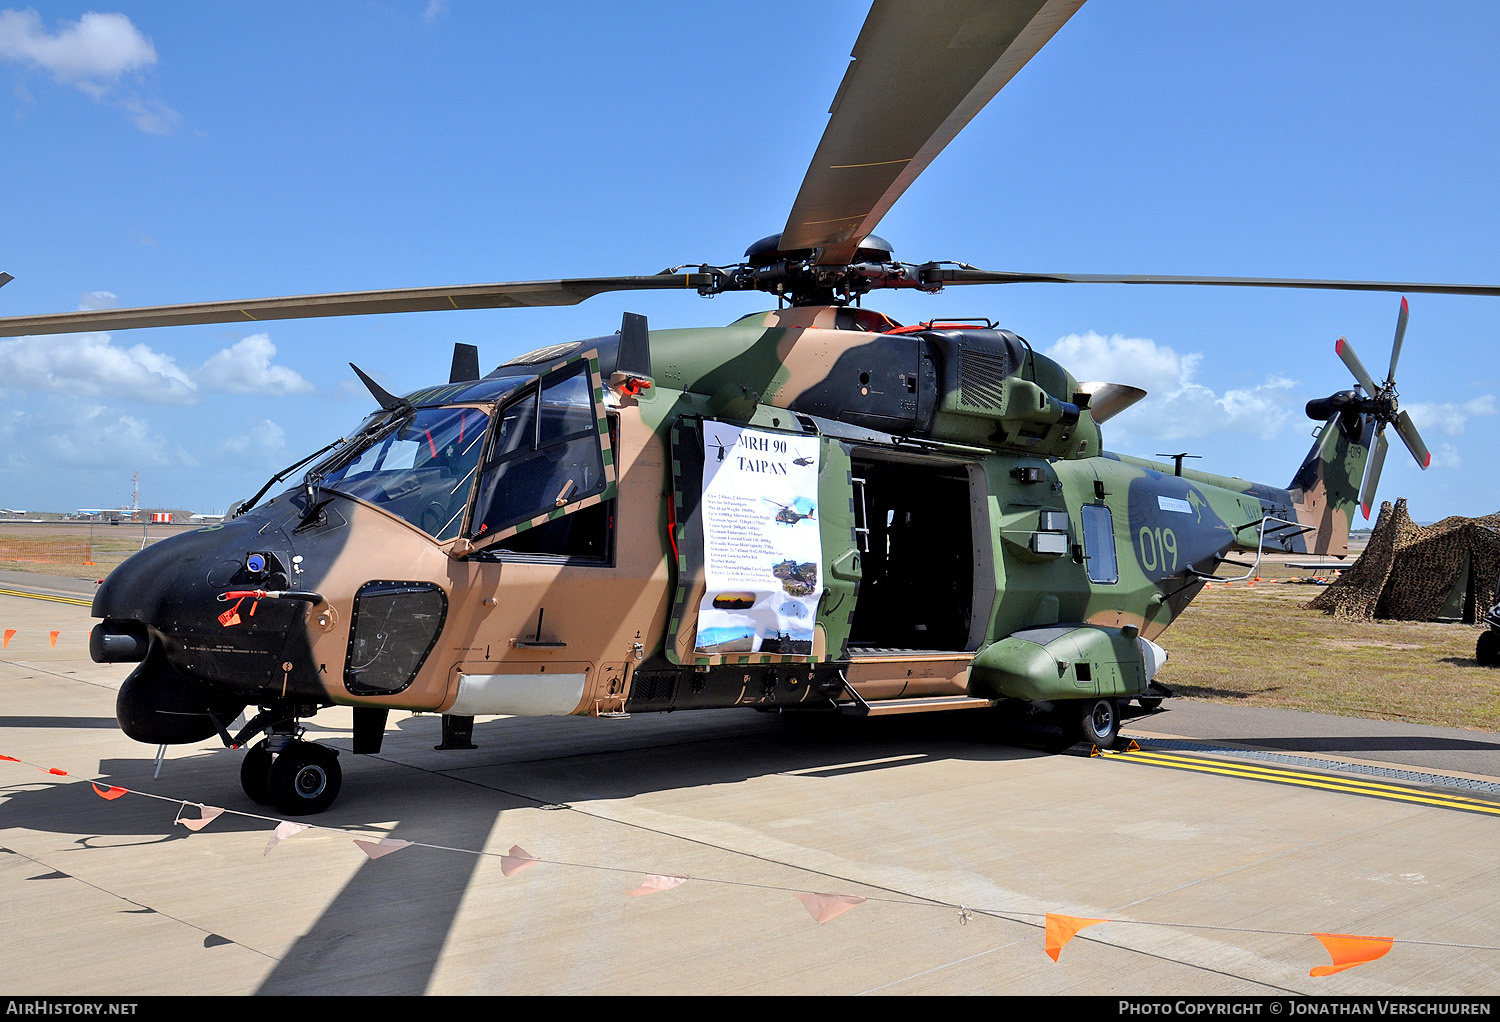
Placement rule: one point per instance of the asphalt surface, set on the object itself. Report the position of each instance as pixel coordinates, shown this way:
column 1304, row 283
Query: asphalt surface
column 1214, row 853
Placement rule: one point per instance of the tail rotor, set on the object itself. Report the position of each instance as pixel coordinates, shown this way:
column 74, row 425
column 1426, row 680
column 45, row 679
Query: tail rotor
column 1379, row 404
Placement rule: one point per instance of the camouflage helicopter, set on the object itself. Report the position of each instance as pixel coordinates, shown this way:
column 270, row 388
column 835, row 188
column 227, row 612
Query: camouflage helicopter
column 791, row 514
column 575, row 532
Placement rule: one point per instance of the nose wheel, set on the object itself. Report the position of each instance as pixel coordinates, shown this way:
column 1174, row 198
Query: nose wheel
column 302, row 779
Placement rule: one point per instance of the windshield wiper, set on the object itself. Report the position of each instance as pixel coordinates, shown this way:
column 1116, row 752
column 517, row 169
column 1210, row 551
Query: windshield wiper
column 245, row 505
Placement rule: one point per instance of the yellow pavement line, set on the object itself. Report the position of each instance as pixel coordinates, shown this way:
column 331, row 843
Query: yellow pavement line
column 55, row 599
column 1278, row 772
column 1351, row 786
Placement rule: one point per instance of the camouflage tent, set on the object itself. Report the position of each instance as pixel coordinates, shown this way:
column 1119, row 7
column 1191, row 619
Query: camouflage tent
column 1442, row 572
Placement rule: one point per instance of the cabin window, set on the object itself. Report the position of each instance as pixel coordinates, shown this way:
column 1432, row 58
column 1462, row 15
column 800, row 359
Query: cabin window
column 393, row 627
column 545, row 454
column 1099, row 544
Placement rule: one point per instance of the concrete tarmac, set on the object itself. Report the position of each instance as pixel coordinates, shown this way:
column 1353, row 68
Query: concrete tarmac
column 1212, row 879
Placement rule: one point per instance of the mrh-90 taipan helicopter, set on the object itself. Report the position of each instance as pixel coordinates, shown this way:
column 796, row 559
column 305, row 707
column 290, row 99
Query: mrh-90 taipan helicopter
column 593, row 527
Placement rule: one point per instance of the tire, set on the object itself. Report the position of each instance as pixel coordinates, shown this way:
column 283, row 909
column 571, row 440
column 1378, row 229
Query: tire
column 305, row 779
column 1099, row 722
column 1149, row 703
column 255, row 774
column 1487, row 649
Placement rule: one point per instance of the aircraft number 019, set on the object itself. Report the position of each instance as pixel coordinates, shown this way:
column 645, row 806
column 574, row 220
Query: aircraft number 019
column 1158, row 548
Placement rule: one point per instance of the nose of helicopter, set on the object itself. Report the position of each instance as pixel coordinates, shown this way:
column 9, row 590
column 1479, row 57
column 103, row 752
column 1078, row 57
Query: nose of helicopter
column 166, row 609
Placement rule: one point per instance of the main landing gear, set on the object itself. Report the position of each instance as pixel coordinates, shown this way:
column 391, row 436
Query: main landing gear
column 296, row 776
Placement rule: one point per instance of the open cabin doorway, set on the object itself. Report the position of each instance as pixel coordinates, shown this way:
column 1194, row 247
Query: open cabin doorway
column 915, row 521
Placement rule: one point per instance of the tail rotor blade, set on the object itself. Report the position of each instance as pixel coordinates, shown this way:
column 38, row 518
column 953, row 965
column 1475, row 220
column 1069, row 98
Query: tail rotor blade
column 1413, row 440
column 1372, row 473
column 1396, row 344
column 1361, row 375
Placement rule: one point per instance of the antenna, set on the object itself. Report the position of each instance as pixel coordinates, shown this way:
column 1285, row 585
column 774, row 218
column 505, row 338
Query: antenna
column 1178, row 459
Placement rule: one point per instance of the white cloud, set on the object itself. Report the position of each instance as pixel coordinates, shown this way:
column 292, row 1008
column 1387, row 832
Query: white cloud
column 98, row 300
column 264, row 439
column 1179, row 407
column 89, row 53
column 434, row 10
column 91, row 365
column 246, row 368
column 85, row 436
column 1449, row 418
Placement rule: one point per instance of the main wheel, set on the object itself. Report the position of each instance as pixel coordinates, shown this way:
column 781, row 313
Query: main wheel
column 1099, row 722
column 305, row 779
column 1487, row 649
column 255, row 774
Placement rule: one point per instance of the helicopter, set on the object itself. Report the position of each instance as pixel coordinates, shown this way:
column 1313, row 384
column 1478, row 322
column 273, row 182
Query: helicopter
column 579, row 531
column 791, row 514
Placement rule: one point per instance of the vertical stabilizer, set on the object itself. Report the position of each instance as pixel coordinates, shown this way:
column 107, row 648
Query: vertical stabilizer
column 1325, row 490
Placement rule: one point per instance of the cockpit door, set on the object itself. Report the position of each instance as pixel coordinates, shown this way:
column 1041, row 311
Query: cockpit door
column 548, row 454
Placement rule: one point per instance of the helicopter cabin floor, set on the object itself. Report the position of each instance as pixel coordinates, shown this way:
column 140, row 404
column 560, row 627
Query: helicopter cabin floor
column 916, row 814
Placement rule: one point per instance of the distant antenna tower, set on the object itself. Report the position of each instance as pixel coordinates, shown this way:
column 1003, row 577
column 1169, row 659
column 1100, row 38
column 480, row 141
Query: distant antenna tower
column 135, row 491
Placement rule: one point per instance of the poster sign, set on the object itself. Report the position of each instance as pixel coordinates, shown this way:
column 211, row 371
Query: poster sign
column 763, row 555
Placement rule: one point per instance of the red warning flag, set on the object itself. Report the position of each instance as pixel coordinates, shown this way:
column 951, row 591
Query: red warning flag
column 10, row 759
column 1061, row 929
column 110, row 793
column 1347, row 951
column 824, row 907
column 231, row 617
column 385, row 846
column 60, row 773
column 518, row 859
column 53, row 637
column 655, row 882
column 10, row 633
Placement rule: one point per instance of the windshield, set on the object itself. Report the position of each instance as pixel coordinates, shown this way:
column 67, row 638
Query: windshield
column 418, row 468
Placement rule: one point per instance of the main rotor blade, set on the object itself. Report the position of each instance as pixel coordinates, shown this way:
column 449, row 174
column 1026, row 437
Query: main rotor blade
column 352, row 303
column 936, row 274
column 1390, row 377
column 921, row 70
column 1345, row 351
column 1372, row 472
column 1407, row 430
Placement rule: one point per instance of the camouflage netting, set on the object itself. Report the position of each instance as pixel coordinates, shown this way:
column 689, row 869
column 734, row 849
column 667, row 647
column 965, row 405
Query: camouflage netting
column 1412, row 573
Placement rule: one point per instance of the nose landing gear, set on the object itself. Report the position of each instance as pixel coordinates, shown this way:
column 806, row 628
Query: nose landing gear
column 298, row 777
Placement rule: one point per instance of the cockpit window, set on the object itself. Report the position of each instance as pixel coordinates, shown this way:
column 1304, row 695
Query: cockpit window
column 419, row 468
column 546, row 457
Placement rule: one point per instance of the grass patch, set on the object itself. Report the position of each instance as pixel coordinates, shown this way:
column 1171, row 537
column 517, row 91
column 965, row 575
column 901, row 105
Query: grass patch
column 1258, row 646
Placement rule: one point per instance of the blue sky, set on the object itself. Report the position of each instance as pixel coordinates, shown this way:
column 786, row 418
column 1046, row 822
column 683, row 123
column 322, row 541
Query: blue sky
column 156, row 153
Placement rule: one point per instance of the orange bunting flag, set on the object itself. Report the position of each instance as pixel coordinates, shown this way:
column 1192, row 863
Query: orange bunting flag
column 1061, row 929
column 655, row 882
column 823, row 907
column 284, row 830
column 385, row 846
column 1347, row 951
column 10, row 633
column 10, row 759
column 110, row 793
column 53, row 637
column 60, row 773
column 206, row 815
column 518, row 859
